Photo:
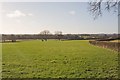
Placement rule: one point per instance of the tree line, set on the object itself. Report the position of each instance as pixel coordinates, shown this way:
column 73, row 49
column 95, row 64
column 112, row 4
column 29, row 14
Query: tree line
column 58, row 35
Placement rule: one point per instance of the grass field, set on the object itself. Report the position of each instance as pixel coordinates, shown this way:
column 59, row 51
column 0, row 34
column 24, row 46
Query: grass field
column 57, row 59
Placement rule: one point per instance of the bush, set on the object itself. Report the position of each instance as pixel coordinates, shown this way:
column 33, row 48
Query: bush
column 106, row 44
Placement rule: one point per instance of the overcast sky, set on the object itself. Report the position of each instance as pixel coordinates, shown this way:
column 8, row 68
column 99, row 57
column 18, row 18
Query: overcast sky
column 68, row 17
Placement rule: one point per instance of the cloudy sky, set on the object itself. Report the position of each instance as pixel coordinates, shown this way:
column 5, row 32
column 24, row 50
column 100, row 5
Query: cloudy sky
column 68, row 17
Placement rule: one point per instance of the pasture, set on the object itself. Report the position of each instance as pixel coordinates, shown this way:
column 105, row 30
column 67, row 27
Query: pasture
column 58, row 59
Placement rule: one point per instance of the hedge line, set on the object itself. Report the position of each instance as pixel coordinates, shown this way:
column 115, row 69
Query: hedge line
column 107, row 44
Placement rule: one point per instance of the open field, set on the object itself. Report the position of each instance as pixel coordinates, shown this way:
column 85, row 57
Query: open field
column 58, row 59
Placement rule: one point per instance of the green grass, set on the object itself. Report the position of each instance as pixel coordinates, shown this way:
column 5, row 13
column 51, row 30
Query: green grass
column 57, row 59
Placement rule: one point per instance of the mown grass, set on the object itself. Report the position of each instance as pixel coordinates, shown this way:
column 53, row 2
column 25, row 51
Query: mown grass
column 57, row 59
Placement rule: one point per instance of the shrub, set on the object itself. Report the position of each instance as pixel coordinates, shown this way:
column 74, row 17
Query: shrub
column 106, row 44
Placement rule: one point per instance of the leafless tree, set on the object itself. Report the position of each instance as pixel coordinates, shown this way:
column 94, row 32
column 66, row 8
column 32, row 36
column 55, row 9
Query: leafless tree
column 58, row 34
column 45, row 33
column 97, row 6
column 13, row 38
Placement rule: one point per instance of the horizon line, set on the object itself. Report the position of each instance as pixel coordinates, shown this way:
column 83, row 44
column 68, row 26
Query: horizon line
column 67, row 33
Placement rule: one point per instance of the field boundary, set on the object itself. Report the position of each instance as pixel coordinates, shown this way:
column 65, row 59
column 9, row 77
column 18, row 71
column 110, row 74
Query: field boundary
column 106, row 44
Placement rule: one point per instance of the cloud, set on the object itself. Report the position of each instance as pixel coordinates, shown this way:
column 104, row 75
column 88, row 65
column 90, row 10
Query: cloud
column 18, row 21
column 30, row 14
column 72, row 12
column 17, row 13
column 2, row 11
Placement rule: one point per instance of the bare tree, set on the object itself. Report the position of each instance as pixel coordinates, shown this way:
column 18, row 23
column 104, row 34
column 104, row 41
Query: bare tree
column 96, row 7
column 58, row 34
column 45, row 33
column 13, row 38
